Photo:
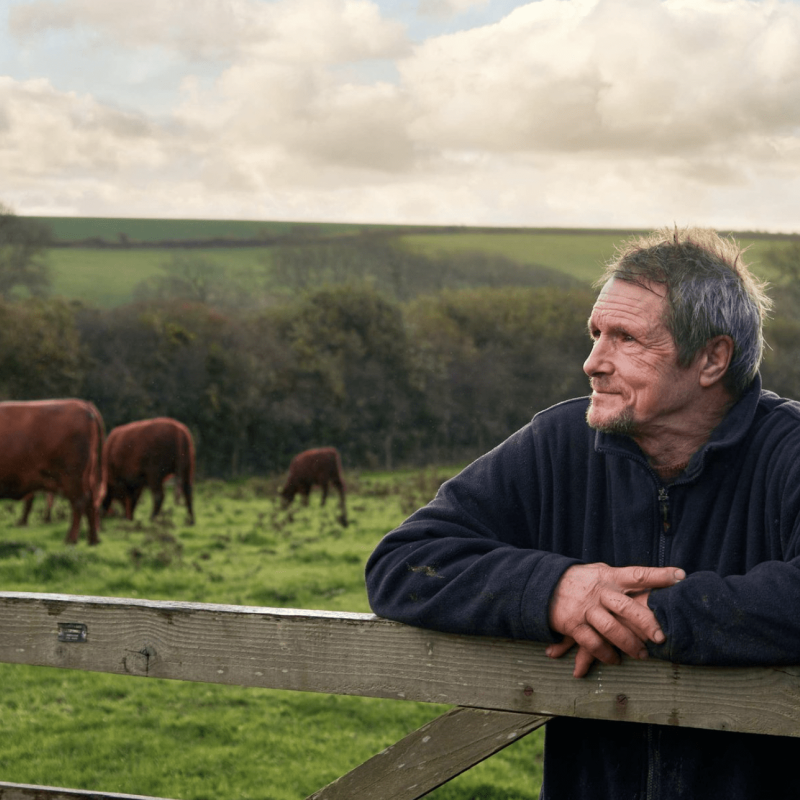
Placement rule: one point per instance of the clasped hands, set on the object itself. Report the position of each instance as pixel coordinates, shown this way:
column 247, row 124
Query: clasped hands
column 603, row 609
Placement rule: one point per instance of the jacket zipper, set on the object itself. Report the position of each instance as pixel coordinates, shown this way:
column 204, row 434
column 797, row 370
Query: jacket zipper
column 652, row 791
column 663, row 504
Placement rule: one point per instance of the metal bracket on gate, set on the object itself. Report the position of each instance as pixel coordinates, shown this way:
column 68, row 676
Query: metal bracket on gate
column 72, row 632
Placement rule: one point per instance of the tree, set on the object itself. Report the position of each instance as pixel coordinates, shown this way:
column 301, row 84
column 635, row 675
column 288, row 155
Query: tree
column 351, row 373
column 197, row 279
column 41, row 355
column 785, row 260
column 780, row 369
column 487, row 359
column 23, row 246
column 399, row 271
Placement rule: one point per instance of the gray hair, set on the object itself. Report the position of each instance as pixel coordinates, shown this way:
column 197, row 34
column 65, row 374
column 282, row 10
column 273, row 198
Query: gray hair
column 710, row 292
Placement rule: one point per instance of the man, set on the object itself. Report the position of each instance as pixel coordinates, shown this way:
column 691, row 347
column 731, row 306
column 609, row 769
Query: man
column 659, row 517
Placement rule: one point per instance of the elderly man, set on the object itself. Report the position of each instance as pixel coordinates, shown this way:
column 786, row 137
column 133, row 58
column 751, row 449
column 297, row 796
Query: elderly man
column 658, row 517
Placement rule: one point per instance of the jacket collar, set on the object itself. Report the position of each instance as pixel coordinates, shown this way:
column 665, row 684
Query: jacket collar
column 728, row 433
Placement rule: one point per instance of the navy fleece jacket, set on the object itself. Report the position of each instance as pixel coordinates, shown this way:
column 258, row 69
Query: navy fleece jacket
column 484, row 556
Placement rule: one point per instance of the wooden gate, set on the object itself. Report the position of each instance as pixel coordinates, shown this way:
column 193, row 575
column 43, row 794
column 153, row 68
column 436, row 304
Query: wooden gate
column 501, row 689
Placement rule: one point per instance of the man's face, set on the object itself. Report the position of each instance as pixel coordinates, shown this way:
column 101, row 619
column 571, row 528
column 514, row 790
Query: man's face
column 638, row 389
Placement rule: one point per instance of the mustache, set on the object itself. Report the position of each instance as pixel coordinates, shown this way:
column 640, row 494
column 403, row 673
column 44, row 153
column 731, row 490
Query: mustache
column 600, row 385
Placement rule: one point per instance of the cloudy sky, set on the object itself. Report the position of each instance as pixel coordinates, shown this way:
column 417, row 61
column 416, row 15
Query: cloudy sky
column 597, row 113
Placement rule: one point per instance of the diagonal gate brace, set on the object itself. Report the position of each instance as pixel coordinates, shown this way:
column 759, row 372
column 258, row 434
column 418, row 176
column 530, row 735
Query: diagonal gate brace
column 432, row 755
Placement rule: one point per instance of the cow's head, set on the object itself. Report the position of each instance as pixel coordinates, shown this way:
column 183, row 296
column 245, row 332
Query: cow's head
column 287, row 495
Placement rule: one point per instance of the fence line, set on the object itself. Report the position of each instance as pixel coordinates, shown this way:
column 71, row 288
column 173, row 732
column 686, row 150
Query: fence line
column 503, row 688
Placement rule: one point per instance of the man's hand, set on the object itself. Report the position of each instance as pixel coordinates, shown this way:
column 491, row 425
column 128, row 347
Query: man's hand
column 601, row 608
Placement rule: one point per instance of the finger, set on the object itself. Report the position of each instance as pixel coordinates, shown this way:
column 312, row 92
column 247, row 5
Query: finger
column 615, row 632
column 632, row 614
column 558, row 649
column 583, row 661
column 599, row 648
column 638, row 578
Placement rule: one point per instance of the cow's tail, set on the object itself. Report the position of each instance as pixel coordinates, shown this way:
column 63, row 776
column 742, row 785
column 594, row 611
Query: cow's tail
column 340, row 470
column 185, row 468
column 185, row 456
column 96, row 468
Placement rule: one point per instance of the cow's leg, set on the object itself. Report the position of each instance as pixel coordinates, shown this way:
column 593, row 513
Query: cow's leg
column 132, row 495
column 342, row 506
column 77, row 512
column 158, row 498
column 304, row 491
column 105, row 505
column 92, row 518
column 27, row 504
column 48, row 513
column 324, row 487
column 187, row 496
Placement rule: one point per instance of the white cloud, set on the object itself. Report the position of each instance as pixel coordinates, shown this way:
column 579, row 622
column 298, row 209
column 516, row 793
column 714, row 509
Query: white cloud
column 612, row 76
column 574, row 112
column 448, row 8
column 294, row 30
column 47, row 132
column 303, row 114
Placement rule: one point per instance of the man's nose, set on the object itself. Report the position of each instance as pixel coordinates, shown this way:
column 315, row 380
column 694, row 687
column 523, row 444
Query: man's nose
column 598, row 362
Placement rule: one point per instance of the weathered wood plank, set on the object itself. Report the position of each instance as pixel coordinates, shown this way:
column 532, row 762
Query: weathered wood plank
column 24, row 791
column 432, row 755
column 359, row 654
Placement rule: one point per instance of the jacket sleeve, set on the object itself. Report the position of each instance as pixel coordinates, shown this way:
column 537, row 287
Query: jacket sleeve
column 738, row 620
column 464, row 563
column 751, row 618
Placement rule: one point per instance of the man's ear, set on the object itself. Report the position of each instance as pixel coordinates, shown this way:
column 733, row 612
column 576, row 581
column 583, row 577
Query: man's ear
column 715, row 358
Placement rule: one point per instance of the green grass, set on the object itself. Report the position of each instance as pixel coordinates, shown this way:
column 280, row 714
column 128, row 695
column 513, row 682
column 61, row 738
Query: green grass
column 113, row 229
column 107, row 278
column 194, row 741
column 578, row 255
column 581, row 255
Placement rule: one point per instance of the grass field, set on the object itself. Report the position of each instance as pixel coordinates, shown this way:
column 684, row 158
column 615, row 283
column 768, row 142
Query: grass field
column 106, row 277
column 580, row 255
column 114, row 230
column 196, row 741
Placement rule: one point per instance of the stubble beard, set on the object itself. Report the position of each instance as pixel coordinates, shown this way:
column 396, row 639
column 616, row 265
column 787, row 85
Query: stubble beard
column 622, row 424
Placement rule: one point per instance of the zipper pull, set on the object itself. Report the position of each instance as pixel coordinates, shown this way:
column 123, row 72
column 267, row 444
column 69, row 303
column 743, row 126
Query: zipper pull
column 663, row 500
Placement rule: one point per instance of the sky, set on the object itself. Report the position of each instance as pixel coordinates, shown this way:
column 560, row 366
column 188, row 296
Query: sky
column 565, row 113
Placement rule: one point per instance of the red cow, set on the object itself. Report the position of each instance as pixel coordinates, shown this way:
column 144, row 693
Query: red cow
column 315, row 468
column 54, row 446
column 146, row 453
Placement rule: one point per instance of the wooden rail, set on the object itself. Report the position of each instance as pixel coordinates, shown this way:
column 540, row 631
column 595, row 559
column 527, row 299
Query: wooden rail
column 501, row 689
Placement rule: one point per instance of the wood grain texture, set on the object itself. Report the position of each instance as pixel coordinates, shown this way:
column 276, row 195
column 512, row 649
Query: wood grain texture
column 23, row 791
column 359, row 654
column 432, row 755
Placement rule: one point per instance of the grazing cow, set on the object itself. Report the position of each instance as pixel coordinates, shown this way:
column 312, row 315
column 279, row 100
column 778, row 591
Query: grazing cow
column 146, row 453
column 54, row 446
column 315, row 468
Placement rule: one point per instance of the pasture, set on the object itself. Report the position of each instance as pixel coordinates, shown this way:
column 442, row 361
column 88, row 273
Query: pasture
column 193, row 741
column 106, row 277
column 117, row 230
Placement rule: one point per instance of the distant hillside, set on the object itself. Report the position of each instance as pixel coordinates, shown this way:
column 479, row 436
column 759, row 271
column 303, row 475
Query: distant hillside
column 127, row 232
column 100, row 261
column 119, row 232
